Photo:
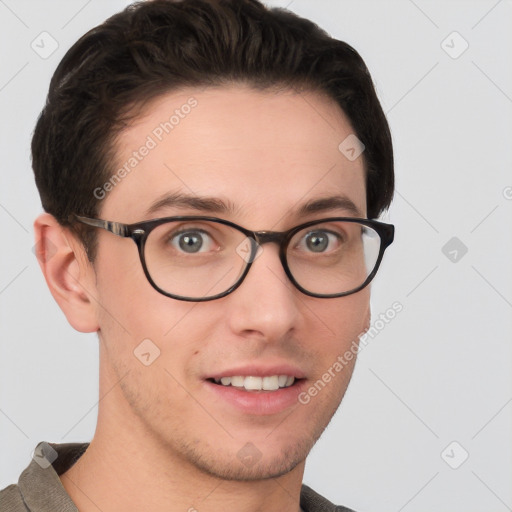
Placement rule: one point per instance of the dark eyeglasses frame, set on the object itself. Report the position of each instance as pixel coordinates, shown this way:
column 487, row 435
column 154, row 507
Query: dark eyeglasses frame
column 140, row 231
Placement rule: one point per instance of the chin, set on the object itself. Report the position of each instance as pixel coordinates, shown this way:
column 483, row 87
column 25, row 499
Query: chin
column 246, row 462
column 231, row 467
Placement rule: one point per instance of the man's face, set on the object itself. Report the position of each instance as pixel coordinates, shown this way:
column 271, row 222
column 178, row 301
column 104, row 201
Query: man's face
column 268, row 153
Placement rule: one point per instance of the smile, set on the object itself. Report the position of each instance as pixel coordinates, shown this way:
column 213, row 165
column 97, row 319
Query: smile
column 254, row 383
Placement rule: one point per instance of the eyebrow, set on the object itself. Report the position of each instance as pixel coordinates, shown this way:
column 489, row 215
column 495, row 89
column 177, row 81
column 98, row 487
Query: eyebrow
column 207, row 204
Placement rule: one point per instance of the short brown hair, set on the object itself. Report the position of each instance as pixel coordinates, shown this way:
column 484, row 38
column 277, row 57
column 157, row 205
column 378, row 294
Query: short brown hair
column 154, row 47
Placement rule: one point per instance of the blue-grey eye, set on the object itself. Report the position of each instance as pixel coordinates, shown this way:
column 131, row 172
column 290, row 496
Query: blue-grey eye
column 191, row 241
column 318, row 241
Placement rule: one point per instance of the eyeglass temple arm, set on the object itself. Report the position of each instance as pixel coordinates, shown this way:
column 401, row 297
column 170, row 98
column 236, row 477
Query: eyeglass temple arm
column 114, row 227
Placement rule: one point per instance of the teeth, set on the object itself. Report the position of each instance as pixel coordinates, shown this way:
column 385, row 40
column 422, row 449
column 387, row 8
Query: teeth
column 270, row 383
column 237, row 381
column 281, row 380
column 251, row 383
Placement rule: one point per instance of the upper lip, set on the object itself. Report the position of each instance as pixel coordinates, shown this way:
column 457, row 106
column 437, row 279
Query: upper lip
column 259, row 370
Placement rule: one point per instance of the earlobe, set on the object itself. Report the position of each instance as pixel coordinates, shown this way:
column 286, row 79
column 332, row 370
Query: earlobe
column 67, row 271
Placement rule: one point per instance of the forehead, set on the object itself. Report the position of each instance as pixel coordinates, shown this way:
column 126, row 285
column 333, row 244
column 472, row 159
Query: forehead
column 265, row 154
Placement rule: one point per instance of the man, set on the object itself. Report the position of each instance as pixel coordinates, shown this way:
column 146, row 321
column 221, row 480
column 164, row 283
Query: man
column 243, row 150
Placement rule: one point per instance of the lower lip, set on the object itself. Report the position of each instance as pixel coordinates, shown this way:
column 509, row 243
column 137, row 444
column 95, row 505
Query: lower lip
column 259, row 402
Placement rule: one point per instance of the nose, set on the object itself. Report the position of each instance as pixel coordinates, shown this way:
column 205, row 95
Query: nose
column 266, row 303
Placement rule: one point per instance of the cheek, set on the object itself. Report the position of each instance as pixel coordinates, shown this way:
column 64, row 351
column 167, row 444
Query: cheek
column 125, row 294
column 343, row 319
column 138, row 324
column 129, row 309
column 338, row 325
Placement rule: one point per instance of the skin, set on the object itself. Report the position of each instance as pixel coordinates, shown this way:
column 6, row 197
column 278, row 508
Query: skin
column 162, row 442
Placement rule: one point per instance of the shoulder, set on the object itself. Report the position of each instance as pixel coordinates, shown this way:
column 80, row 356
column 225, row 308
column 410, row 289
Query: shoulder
column 11, row 500
column 39, row 486
column 311, row 501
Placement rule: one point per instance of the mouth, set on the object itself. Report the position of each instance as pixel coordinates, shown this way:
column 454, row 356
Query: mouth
column 255, row 390
column 270, row 383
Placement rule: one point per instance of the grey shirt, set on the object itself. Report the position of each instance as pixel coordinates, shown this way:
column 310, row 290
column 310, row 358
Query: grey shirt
column 39, row 488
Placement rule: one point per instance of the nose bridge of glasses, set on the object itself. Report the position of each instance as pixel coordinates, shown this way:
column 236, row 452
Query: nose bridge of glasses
column 265, row 237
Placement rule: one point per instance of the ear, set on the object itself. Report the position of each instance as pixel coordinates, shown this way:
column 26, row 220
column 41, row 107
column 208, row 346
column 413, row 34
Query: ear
column 67, row 271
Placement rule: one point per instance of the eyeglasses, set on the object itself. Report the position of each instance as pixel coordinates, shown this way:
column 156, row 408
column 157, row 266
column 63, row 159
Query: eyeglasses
column 197, row 258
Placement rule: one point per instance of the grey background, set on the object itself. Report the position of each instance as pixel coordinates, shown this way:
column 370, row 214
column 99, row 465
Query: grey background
column 439, row 372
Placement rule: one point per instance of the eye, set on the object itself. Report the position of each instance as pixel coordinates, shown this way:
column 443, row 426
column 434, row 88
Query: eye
column 191, row 241
column 320, row 240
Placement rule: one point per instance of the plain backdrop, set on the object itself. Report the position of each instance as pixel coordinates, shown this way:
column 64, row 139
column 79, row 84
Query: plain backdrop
column 426, row 423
